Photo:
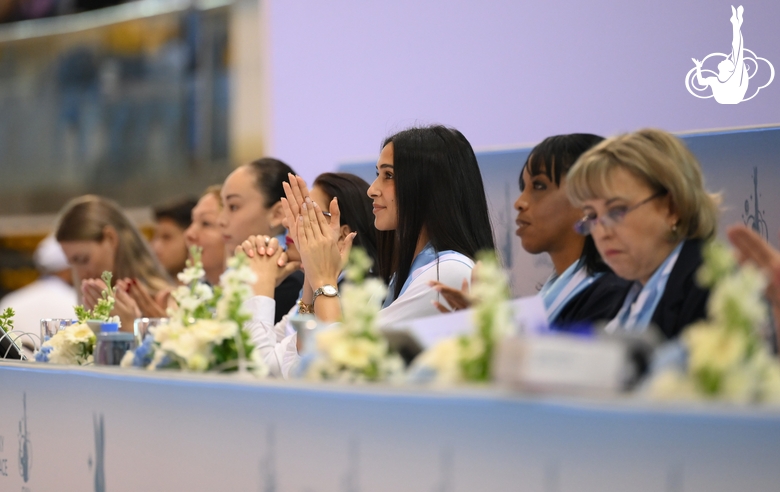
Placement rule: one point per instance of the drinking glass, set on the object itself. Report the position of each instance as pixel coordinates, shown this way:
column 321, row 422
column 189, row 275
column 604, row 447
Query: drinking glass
column 305, row 325
column 50, row 326
column 141, row 326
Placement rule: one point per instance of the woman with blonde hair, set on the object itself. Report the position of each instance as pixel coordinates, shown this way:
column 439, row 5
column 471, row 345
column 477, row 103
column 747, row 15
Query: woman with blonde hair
column 203, row 232
column 649, row 214
column 97, row 236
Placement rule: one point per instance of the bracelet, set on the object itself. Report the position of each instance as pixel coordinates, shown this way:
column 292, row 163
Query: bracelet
column 304, row 308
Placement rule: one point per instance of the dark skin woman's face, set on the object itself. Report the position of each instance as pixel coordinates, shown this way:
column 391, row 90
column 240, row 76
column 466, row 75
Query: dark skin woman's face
column 545, row 217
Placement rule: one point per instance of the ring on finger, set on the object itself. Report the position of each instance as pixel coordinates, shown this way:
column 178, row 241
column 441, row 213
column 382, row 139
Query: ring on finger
column 267, row 240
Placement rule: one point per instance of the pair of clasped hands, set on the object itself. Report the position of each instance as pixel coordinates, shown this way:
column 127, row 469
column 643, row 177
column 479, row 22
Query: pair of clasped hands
column 132, row 300
column 323, row 251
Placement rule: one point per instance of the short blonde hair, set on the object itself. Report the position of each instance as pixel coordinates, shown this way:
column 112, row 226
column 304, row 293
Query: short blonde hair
column 660, row 160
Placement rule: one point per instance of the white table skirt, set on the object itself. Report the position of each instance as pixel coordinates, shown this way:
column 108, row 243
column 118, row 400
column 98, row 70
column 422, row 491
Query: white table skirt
column 172, row 432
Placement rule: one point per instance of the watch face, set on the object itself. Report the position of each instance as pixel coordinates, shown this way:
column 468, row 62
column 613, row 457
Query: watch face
column 330, row 290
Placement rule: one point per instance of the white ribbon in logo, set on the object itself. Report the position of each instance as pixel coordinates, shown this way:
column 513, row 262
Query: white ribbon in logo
column 730, row 84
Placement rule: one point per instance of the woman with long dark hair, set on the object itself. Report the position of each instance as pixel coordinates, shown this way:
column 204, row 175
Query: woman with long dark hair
column 429, row 192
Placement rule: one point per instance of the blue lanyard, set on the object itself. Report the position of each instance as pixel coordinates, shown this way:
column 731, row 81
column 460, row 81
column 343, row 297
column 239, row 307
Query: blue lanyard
column 642, row 301
column 559, row 290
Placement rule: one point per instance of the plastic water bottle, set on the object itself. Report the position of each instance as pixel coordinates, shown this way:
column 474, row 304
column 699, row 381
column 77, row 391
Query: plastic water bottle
column 112, row 345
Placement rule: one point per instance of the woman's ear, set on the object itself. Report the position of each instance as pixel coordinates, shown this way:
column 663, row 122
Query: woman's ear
column 344, row 232
column 674, row 218
column 276, row 215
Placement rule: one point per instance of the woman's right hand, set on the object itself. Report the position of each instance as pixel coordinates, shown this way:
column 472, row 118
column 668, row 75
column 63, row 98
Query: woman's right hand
column 457, row 299
column 269, row 263
column 321, row 256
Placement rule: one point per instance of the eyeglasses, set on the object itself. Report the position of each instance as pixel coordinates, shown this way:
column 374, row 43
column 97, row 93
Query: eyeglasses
column 612, row 217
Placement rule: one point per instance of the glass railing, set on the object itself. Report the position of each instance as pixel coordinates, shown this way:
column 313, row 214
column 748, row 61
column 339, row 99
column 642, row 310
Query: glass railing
column 130, row 101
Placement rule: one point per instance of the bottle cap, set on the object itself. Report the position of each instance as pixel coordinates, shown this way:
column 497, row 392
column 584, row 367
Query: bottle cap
column 109, row 327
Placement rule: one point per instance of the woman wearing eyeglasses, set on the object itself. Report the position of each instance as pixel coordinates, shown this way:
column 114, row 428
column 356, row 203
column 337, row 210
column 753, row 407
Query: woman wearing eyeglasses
column 648, row 212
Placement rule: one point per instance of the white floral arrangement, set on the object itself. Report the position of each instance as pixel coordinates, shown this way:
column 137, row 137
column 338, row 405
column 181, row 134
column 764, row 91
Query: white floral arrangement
column 206, row 331
column 725, row 357
column 469, row 358
column 354, row 350
column 75, row 344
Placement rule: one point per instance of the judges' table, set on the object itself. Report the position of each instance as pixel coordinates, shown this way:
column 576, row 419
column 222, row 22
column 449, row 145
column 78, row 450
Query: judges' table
column 107, row 429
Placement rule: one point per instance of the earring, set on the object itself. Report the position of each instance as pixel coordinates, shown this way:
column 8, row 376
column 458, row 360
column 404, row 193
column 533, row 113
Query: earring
column 674, row 227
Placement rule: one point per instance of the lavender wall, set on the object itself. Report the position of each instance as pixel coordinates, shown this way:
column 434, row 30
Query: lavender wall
column 347, row 73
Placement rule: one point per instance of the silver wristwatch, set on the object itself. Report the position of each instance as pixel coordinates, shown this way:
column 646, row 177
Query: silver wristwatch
column 326, row 290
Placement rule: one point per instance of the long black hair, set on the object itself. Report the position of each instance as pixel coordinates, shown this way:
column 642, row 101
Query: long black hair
column 553, row 157
column 438, row 187
column 356, row 210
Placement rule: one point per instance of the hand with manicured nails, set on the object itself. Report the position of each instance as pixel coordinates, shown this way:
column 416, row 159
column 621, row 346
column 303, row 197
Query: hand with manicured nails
column 297, row 194
column 151, row 307
column 318, row 244
column 124, row 306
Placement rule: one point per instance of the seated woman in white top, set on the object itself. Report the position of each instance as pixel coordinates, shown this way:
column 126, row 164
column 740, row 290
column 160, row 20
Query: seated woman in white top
column 429, row 192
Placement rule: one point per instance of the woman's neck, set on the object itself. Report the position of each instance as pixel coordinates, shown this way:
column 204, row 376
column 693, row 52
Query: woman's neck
column 565, row 256
column 422, row 241
column 664, row 254
column 213, row 274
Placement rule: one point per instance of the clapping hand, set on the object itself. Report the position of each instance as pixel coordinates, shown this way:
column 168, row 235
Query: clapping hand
column 303, row 215
column 322, row 256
